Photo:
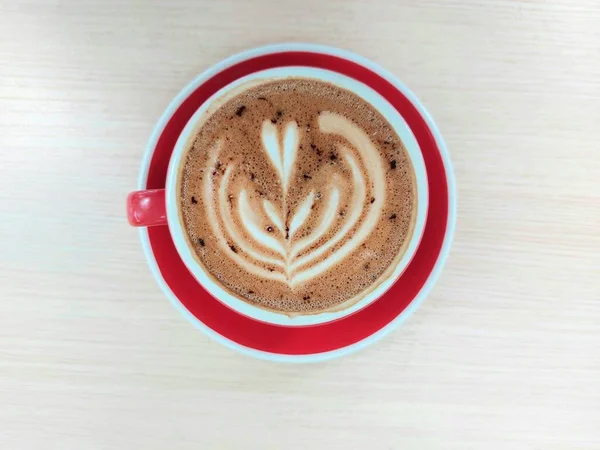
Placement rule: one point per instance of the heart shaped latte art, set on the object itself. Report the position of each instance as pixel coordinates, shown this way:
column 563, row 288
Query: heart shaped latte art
column 280, row 253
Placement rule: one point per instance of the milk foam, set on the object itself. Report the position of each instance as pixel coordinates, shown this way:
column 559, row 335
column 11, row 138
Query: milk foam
column 282, row 151
column 299, row 202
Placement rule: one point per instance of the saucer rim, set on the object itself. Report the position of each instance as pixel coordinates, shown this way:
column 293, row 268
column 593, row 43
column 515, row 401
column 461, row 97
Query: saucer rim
column 450, row 224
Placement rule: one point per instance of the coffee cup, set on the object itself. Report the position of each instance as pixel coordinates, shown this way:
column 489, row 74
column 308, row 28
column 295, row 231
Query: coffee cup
column 162, row 207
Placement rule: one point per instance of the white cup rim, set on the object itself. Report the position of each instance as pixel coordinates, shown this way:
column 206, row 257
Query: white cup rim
column 186, row 252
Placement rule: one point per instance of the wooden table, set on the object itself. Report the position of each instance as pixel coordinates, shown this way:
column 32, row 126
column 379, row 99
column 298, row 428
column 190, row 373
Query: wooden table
column 505, row 354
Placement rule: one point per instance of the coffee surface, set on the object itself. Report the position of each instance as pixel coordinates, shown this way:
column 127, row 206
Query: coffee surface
column 297, row 196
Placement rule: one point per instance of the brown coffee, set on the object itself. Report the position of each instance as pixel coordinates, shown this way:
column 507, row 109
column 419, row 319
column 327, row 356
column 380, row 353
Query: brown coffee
column 297, row 196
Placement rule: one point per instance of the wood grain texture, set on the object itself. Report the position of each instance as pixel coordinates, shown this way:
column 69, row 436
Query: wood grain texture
column 505, row 354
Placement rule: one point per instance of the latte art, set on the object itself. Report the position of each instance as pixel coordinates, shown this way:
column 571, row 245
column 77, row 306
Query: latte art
column 297, row 196
column 276, row 244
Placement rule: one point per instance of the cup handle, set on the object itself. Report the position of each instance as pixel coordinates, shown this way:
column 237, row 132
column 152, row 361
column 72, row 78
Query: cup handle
column 147, row 208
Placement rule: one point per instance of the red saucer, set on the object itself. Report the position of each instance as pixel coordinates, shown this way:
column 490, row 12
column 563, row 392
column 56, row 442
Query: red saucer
column 358, row 329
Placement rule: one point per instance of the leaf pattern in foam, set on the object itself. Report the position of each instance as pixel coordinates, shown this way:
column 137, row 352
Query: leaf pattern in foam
column 273, row 215
column 283, row 159
column 289, row 256
column 302, row 214
column 252, row 224
column 291, row 141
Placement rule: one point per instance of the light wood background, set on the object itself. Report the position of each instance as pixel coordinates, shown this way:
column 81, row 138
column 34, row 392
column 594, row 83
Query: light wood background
column 505, row 354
